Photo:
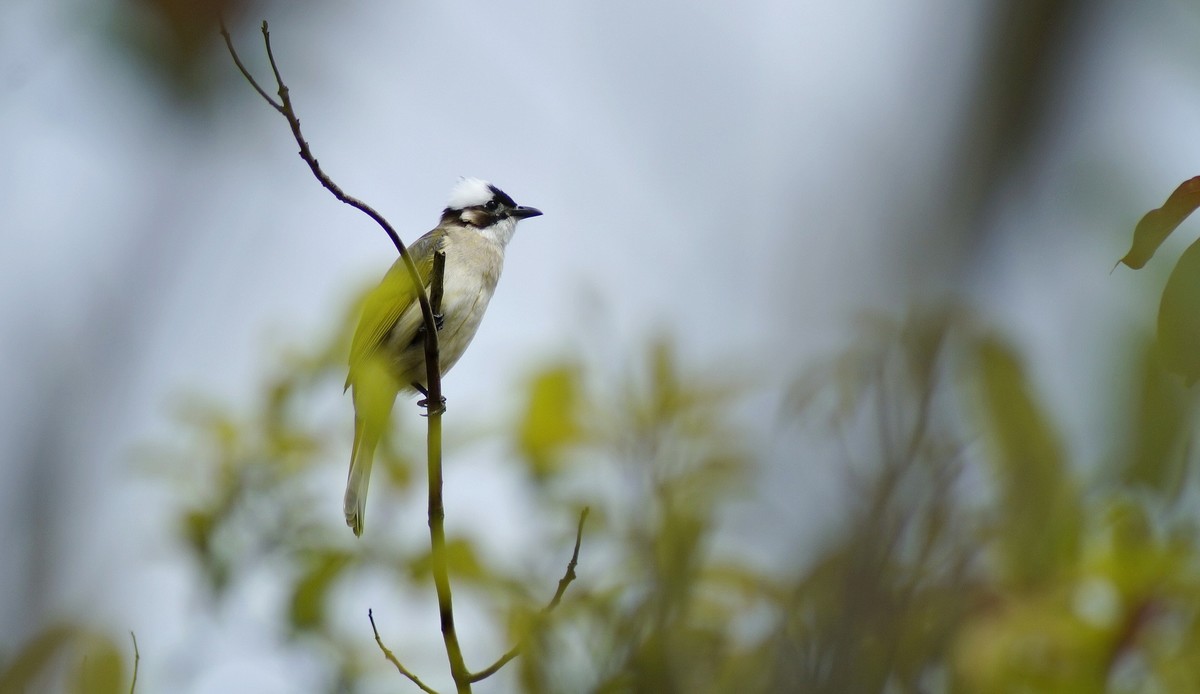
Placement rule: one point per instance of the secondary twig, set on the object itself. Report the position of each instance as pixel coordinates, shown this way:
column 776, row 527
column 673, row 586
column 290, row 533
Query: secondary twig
column 558, row 594
column 246, row 73
column 137, row 658
column 436, row 289
column 387, row 653
column 436, row 281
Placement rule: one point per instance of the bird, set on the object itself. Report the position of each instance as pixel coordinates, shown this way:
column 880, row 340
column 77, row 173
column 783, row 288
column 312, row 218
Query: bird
column 387, row 352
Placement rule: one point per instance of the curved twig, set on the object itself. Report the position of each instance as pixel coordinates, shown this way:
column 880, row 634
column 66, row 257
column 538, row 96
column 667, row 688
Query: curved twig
column 387, row 653
column 558, row 594
column 285, row 108
column 137, row 659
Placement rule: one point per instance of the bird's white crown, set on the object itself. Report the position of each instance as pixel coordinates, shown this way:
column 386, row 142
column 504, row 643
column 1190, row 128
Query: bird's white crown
column 468, row 193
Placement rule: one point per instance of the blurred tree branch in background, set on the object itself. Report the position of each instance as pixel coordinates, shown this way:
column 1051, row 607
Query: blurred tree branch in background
column 1009, row 108
column 1015, row 93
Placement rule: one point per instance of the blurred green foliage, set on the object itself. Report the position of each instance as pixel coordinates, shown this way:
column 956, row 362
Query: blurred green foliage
column 1038, row 511
column 970, row 553
column 69, row 659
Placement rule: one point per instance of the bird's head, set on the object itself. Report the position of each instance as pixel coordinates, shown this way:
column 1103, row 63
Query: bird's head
column 482, row 206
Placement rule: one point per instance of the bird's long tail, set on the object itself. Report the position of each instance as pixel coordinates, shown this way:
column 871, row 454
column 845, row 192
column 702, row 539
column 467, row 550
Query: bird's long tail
column 371, row 416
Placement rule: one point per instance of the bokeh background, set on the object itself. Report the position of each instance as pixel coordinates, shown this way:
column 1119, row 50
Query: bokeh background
column 742, row 181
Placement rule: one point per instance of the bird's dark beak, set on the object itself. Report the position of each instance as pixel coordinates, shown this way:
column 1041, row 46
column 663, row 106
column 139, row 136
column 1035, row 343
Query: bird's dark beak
column 523, row 212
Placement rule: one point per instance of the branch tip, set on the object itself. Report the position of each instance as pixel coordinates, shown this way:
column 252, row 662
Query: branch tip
column 137, row 659
column 565, row 581
column 237, row 60
column 391, row 657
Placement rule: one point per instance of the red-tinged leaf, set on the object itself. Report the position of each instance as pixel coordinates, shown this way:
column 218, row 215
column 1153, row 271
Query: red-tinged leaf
column 1158, row 224
column 1179, row 317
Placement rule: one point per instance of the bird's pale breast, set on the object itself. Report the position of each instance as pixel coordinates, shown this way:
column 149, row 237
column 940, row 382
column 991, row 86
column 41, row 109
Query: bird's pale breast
column 473, row 267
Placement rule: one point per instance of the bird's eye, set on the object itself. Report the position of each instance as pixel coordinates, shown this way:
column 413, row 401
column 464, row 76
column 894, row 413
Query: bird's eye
column 491, row 204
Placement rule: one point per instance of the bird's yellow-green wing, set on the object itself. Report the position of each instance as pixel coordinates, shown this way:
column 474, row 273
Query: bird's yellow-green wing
column 383, row 306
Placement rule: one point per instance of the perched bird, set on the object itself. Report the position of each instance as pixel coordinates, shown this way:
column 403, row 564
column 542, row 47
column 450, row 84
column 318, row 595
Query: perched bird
column 387, row 353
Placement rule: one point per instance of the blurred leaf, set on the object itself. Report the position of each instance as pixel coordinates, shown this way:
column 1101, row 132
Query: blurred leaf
column 523, row 622
column 1032, row 645
column 20, row 673
column 743, row 582
column 1038, row 508
column 1142, row 570
column 662, row 395
column 461, row 558
column 102, row 668
column 551, row 421
column 1161, row 415
column 94, row 663
column 396, row 460
column 199, row 528
column 311, row 591
column 1157, row 224
column 1179, row 317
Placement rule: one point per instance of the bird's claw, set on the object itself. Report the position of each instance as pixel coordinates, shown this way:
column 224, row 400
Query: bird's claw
column 424, row 402
column 438, row 321
column 439, row 408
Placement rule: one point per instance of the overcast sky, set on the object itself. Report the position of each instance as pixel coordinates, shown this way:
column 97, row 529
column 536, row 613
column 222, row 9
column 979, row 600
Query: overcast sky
column 728, row 172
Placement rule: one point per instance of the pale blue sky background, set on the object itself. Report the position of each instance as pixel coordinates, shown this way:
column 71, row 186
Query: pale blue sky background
column 742, row 175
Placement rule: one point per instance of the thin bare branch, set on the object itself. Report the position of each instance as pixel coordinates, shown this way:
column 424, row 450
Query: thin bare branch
column 434, row 402
column 387, row 653
column 246, row 73
column 436, row 289
column 137, row 658
column 435, row 282
column 558, row 594
column 285, row 108
column 570, row 574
